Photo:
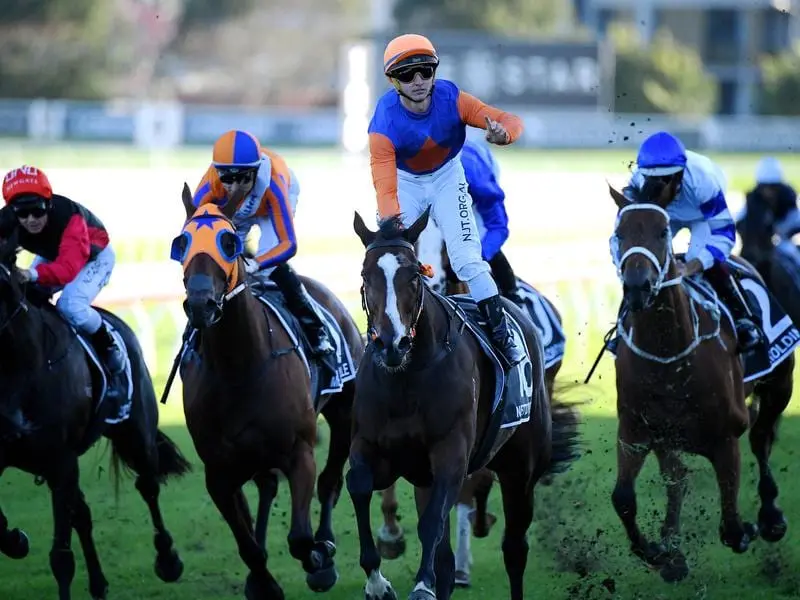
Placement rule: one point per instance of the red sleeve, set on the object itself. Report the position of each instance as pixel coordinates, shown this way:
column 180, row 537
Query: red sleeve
column 73, row 254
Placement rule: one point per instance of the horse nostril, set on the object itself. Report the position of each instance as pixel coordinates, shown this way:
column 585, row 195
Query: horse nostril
column 404, row 344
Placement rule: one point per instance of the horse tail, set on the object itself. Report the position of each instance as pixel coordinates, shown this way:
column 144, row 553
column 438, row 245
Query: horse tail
column 566, row 436
column 171, row 462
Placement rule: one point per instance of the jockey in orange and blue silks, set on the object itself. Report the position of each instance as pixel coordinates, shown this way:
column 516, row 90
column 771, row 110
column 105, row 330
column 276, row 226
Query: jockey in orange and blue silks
column 700, row 206
column 267, row 191
column 415, row 140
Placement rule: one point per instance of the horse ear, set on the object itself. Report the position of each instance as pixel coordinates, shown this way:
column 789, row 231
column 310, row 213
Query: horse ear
column 188, row 202
column 413, row 232
column 367, row 236
column 619, row 198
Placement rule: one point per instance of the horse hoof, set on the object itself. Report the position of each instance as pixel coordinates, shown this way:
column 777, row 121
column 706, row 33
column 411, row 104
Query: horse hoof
column 462, row 579
column 675, row 570
column 378, row 588
column 422, row 594
column 653, row 554
column 773, row 526
column 391, row 550
column 99, row 590
column 740, row 544
column 15, row 544
column 323, row 579
column 169, row 567
column 267, row 590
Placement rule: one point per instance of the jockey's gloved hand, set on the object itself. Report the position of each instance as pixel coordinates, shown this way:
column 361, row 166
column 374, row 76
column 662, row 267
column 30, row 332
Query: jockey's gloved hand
column 251, row 265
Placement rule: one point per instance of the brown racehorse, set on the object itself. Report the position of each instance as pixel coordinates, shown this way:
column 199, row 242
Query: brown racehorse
column 424, row 392
column 391, row 537
column 680, row 388
column 248, row 402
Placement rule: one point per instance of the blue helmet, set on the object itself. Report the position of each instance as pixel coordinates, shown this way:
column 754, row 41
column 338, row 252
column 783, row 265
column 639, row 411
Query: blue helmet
column 661, row 154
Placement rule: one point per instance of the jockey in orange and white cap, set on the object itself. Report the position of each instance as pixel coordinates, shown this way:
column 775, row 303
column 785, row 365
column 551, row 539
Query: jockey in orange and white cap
column 415, row 140
column 266, row 191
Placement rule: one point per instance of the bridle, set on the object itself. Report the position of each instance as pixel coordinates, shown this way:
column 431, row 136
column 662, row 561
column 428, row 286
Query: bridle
column 420, row 301
column 22, row 305
column 660, row 283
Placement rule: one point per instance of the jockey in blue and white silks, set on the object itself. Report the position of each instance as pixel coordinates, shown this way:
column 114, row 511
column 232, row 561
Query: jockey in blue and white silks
column 488, row 202
column 699, row 204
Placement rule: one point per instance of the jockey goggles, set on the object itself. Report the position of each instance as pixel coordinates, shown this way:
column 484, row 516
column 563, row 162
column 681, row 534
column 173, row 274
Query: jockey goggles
column 407, row 74
column 235, row 174
column 29, row 206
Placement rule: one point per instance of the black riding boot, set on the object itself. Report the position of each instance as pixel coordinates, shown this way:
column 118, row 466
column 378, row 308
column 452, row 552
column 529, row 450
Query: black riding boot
column 505, row 278
column 114, row 359
column 492, row 310
column 747, row 331
column 299, row 302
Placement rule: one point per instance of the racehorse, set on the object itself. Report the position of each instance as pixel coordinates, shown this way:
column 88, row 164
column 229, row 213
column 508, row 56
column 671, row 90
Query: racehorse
column 45, row 370
column 681, row 387
column 777, row 261
column 391, row 542
column 250, row 400
column 426, row 390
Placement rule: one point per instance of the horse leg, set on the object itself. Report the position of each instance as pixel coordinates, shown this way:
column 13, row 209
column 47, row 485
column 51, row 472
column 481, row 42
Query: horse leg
column 630, row 460
column 444, row 560
column 726, row 460
column 391, row 537
column 316, row 557
column 64, row 492
column 133, row 446
column 774, row 398
column 448, row 476
column 517, row 493
column 361, row 486
column 267, row 484
column 463, row 556
column 13, row 542
column 674, row 473
column 229, row 500
column 482, row 520
column 82, row 523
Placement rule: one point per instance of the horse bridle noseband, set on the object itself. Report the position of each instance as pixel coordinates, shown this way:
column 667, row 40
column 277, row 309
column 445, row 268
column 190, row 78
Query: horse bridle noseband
column 412, row 329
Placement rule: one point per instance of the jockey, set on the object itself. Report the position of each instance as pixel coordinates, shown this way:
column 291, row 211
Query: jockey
column 72, row 252
column 415, row 138
column 700, row 206
column 482, row 172
column 266, row 191
column 777, row 195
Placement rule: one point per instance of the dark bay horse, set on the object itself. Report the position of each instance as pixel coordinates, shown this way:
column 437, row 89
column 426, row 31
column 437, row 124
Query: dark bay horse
column 777, row 260
column 45, row 371
column 249, row 405
column 680, row 388
column 391, row 536
column 424, row 393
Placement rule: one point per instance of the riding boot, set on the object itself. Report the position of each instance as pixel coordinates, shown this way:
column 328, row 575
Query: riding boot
column 299, row 302
column 492, row 310
column 748, row 332
column 114, row 359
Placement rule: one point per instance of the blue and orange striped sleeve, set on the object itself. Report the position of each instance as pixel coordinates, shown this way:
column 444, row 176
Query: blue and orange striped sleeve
column 209, row 190
column 474, row 112
column 277, row 205
column 382, row 161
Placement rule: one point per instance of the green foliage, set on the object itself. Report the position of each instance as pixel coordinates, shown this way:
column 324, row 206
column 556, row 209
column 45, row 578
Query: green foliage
column 41, row 11
column 664, row 77
column 198, row 12
column 780, row 87
column 500, row 16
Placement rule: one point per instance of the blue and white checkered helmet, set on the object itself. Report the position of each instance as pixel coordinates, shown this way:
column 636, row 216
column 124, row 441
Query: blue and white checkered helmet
column 660, row 155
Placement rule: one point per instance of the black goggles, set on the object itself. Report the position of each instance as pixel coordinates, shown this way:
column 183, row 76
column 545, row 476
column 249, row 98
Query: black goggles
column 407, row 74
column 235, row 175
column 37, row 211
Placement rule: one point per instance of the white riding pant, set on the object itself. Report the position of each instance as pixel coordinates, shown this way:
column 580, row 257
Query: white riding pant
column 445, row 191
column 75, row 302
column 268, row 236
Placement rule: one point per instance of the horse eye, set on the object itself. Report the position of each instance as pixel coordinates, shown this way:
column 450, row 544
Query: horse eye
column 664, row 233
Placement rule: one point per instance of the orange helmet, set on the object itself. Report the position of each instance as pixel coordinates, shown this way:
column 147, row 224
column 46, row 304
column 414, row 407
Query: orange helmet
column 236, row 149
column 408, row 49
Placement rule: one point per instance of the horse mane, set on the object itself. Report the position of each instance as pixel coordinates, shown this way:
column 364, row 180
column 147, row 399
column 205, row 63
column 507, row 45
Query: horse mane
column 391, row 228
